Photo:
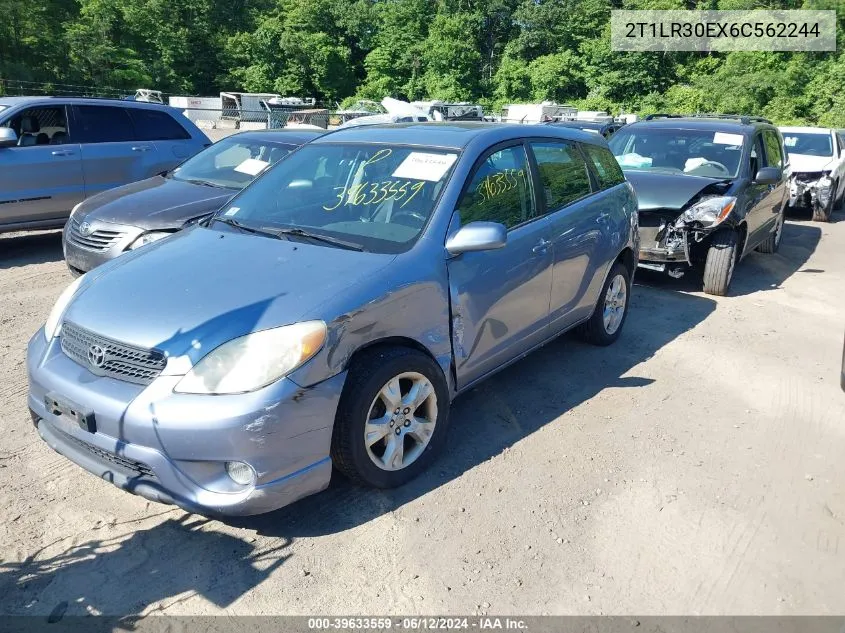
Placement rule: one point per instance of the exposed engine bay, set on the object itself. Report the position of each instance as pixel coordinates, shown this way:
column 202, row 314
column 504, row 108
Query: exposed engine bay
column 810, row 189
column 668, row 237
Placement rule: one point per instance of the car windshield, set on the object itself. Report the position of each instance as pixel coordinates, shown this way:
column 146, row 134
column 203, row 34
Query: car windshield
column 232, row 162
column 808, row 144
column 3, row 107
column 377, row 197
column 691, row 152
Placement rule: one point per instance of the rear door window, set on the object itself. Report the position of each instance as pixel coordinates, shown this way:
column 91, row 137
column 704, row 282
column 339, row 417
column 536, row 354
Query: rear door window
column 607, row 169
column 155, row 125
column 563, row 173
column 104, row 124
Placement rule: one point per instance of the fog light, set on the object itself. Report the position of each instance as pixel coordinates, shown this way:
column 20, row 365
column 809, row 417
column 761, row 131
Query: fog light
column 240, row 473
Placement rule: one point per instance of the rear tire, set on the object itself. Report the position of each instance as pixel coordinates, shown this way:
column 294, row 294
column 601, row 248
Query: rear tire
column 371, row 442
column 772, row 243
column 720, row 263
column 605, row 324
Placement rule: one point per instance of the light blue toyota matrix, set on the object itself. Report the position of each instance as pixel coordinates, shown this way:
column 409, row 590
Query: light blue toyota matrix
column 330, row 312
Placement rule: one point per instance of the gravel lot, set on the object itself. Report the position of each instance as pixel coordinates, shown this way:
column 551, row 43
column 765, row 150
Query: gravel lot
column 694, row 467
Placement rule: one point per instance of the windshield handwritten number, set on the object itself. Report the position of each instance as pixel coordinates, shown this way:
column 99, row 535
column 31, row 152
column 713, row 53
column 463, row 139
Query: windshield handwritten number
column 416, row 187
column 379, row 155
column 341, row 192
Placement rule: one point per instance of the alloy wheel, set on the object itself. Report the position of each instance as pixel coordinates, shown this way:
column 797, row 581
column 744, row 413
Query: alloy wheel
column 401, row 421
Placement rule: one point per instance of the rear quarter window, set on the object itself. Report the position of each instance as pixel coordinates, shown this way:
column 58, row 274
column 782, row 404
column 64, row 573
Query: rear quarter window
column 103, row 124
column 607, row 169
column 155, row 125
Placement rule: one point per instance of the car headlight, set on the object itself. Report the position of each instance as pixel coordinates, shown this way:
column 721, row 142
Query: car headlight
column 53, row 325
column 149, row 238
column 710, row 211
column 255, row 360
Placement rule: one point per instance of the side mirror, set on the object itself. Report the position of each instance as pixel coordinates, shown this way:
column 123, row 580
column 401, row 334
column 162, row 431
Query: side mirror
column 768, row 176
column 477, row 236
column 8, row 138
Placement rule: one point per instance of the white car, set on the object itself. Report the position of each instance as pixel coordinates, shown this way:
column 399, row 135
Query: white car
column 816, row 169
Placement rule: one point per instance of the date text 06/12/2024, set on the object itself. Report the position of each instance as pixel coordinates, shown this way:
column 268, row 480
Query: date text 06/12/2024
column 483, row 623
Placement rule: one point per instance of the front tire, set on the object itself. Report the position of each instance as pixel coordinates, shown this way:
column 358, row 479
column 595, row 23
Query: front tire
column 605, row 325
column 392, row 417
column 720, row 263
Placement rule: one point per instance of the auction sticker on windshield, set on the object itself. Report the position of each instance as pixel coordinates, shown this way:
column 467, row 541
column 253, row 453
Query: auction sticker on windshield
column 252, row 166
column 722, row 138
column 424, row 166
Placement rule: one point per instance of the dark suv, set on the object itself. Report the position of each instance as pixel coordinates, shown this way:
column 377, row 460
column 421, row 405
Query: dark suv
column 711, row 189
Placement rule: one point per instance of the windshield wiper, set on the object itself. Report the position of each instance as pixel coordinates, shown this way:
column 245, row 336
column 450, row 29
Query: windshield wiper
column 241, row 226
column 334, row 241
column 204, row 183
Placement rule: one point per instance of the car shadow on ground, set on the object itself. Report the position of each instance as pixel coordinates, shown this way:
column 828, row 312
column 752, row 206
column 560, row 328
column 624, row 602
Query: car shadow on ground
column 220, row 567
column 23, row 249
column 757, row 271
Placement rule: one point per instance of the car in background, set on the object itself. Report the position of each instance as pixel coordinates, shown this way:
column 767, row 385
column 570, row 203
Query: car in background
column 55, row 152
column 128, row 217
column 711, row 189
column 329, row 314
column 606, row 129
column 816, row 169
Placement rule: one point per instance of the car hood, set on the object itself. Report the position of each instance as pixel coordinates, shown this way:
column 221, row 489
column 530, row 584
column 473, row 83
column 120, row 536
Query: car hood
column 656, row 190
column 154, row 203
column 191, row 292
column 804, row 163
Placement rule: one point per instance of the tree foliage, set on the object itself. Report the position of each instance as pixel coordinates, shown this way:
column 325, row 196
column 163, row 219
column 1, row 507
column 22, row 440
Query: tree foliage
column 490, row 51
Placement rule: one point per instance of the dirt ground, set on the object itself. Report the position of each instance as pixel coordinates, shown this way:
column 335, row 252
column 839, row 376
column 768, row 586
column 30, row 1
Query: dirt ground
column 695, row 467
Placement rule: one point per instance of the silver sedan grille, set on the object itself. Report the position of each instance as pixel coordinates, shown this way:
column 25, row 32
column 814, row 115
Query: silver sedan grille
column 105, row 357
column 97, row 240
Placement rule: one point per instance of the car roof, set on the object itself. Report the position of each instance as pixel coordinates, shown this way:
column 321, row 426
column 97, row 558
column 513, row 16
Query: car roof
column 43, row 100
column 452, row 134
column 807, row 130
column 588, row 125
column 701, row 123
column 293, row 136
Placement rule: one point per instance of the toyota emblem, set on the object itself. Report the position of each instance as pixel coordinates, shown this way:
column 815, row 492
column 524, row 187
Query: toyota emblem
column 85, row 228
column 96, row 356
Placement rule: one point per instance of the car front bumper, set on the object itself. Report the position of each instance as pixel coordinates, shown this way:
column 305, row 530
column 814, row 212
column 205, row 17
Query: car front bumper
column 172, row 448
column 106, row 241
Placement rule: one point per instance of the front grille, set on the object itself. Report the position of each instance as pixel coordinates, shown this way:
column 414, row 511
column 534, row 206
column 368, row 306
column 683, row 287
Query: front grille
column 118, row 360
column 98, row 240
column 131, row 465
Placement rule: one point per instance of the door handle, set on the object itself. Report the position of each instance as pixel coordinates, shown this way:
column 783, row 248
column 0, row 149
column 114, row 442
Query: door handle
column 62, row 152
column 542, row 247
column 141, row 148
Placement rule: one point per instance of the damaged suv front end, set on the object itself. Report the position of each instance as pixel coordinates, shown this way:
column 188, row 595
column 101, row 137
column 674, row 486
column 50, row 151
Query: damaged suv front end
column 710, row 189
column 672, row 232
column 817, row 169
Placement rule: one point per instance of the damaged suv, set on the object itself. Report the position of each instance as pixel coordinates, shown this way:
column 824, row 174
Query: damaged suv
column 816, row 169
column 711, row 189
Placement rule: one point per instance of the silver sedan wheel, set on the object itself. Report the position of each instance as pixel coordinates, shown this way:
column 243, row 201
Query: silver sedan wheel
column 615, row 300
column 401, row 421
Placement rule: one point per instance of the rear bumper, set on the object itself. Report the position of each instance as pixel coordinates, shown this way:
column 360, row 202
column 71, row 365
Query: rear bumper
column 172, row 448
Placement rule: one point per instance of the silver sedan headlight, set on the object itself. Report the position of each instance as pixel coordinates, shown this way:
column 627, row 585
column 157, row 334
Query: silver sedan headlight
column 149, row 238
column 254, row 361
